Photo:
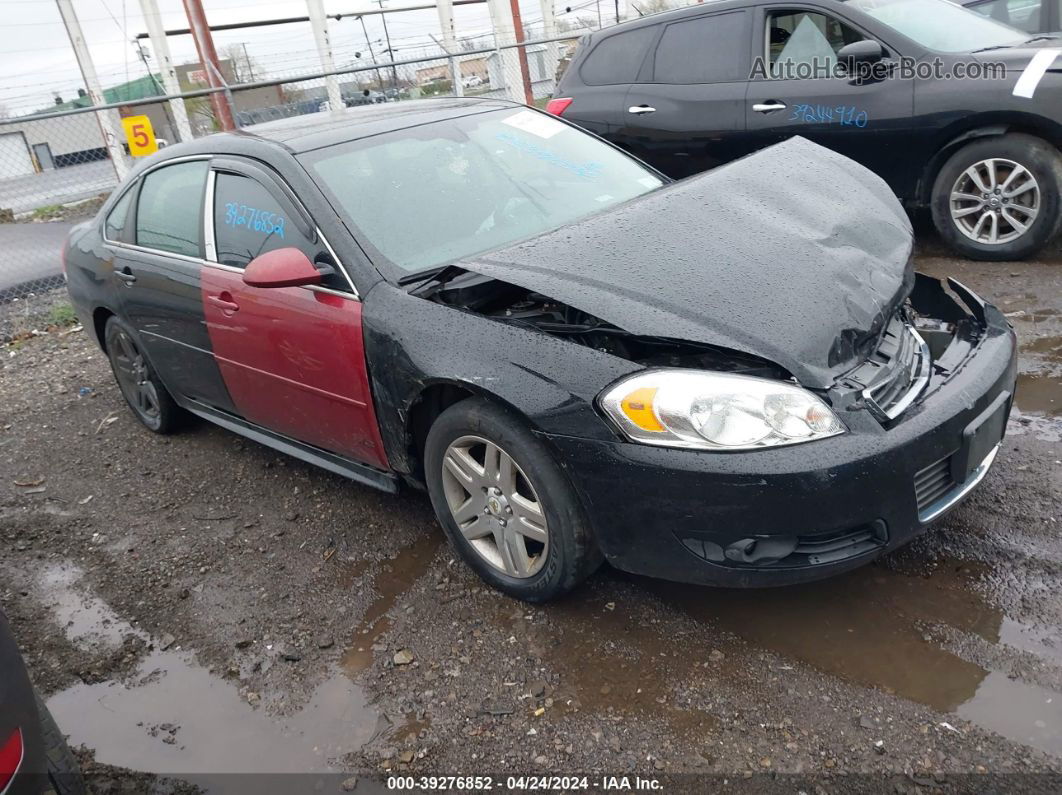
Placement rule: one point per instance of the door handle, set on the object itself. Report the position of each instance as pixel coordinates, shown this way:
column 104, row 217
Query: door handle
column 769, row 107
column 224, row 302
column 125, row 275
column 640, row 110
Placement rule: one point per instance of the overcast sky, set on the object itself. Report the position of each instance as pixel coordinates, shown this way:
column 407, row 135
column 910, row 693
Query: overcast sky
column 36, row 61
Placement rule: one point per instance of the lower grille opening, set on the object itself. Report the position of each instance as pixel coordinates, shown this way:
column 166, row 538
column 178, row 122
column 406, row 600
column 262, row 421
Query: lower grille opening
column 933, row 482
column 792, row 552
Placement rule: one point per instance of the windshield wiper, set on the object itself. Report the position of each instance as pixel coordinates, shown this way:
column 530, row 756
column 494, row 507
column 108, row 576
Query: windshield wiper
column 438, row 275
column 994, row 47
column 1040, row 38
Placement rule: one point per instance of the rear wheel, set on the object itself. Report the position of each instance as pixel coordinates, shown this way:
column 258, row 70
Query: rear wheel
column 506, row 504
column 1000, row 198
column 137, row 379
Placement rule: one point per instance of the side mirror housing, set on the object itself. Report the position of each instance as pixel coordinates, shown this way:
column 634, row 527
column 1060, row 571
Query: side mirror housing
column 858, row 53
column 283, row 267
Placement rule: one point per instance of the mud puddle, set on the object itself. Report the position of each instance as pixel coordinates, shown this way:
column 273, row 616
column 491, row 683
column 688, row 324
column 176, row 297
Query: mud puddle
column 394, row 579
column 1039, row 355
column 874, row 627
column 609, row 664
column 173, row 716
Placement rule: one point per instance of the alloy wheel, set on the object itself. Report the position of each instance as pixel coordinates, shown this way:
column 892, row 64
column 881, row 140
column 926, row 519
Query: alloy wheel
column 495, row 506
column 995, row 201
column 134, row 376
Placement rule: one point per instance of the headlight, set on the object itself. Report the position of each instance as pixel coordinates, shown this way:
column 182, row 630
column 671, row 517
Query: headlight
column 716, row 411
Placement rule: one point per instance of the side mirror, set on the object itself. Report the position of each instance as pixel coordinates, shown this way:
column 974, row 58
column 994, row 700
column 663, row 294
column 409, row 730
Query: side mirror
column 858, row 53
column 283, row 267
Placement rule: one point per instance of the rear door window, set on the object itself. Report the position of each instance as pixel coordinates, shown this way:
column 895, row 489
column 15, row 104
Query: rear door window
column 618, row 58
column 711, row 49
column 169, row 215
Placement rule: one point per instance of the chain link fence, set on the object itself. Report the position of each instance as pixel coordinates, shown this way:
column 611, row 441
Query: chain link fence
column 58, row 165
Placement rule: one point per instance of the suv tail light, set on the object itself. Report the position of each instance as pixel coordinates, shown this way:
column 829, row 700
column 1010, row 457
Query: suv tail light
column 558, row 106
column 11, row 753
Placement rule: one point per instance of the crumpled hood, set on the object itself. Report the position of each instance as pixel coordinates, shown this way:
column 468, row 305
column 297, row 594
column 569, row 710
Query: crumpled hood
column 795, row 254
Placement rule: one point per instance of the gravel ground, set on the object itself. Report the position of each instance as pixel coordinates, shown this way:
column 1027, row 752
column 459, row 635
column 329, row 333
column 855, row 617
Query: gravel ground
column 200, row 607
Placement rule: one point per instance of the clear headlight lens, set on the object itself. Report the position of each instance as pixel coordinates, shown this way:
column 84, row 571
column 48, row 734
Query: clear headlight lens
column 716, row 411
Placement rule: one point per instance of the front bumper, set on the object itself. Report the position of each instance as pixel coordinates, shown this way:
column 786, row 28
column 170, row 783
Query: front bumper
column 800, row 513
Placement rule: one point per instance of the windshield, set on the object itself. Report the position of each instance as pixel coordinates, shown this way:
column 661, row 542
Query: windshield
column 940, row 25
column 428, row 195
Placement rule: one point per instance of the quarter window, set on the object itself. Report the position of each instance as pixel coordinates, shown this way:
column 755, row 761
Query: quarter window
column 814, row 40
column 249, row 221
column 117, row 219
column 170, row 209
column 617, row 59
column 704, row 50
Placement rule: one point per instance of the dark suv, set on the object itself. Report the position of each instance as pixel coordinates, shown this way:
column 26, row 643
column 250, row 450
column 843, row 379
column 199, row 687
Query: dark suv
column 691, row 89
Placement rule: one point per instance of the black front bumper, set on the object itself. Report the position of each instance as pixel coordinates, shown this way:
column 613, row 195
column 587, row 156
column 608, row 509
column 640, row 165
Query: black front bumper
column 719, row 518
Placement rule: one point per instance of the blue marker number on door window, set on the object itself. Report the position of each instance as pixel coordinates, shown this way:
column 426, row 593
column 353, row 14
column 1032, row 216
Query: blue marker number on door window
column 262, row 221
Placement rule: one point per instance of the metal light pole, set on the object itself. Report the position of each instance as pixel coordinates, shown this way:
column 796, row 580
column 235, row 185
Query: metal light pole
column 208, row 56
column 161, row 47
column 324, row 51
column 107, row 119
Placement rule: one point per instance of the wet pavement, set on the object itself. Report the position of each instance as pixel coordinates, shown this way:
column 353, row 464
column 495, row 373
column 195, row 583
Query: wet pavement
column 199, row 604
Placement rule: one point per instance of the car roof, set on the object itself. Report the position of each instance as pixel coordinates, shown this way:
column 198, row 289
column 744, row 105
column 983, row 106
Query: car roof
column 316, row 130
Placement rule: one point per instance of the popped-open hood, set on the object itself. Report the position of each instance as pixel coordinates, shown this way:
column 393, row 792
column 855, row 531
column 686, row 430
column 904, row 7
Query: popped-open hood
column 795, row 254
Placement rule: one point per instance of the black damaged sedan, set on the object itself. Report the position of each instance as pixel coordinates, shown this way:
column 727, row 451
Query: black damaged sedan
column 737, row 379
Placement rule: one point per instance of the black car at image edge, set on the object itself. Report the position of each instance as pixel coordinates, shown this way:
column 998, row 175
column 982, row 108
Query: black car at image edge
column 690, row 89
column 737, row 379
column 34, row 756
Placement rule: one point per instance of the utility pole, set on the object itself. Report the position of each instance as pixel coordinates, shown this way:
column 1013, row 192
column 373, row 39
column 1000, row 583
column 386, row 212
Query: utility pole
column 319, row 23
column 250, row 66
column 372, row 55
column 449, row 45
column 208, row 57
column 157, row 33
column 387, row 37
column 107, row 119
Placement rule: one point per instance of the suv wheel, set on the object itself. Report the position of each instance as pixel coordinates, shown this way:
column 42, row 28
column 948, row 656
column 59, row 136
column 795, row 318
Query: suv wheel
column 505, row 503
column 140, row 385
column 999, row 198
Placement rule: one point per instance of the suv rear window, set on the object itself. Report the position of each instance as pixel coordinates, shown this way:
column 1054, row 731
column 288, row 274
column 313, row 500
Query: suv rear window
column 617, row 59
column 712, row 49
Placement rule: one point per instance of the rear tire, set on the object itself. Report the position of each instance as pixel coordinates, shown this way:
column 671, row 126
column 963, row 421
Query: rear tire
column 522, row 527
column 974, row 200
column 138, row 381
column 64, row 773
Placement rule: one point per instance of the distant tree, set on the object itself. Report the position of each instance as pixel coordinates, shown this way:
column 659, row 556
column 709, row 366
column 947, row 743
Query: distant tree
column 244, row 67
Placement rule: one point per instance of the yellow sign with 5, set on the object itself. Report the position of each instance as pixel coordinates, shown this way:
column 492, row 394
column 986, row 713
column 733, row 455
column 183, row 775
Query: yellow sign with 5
column 140, row 136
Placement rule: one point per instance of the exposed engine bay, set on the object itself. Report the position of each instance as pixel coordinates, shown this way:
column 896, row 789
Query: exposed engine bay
column 520, row 307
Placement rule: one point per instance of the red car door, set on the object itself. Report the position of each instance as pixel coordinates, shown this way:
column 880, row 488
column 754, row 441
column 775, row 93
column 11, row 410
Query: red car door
column 292, row 358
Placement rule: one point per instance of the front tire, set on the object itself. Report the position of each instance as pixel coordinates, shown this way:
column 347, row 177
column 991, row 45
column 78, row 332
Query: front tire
column 138, row 381
column 1000, row 198
column 505, row 504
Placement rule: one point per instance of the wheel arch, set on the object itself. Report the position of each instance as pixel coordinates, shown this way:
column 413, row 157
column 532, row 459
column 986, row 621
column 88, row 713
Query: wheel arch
column 988, row 125
column 433, row 398
column 100, row 316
